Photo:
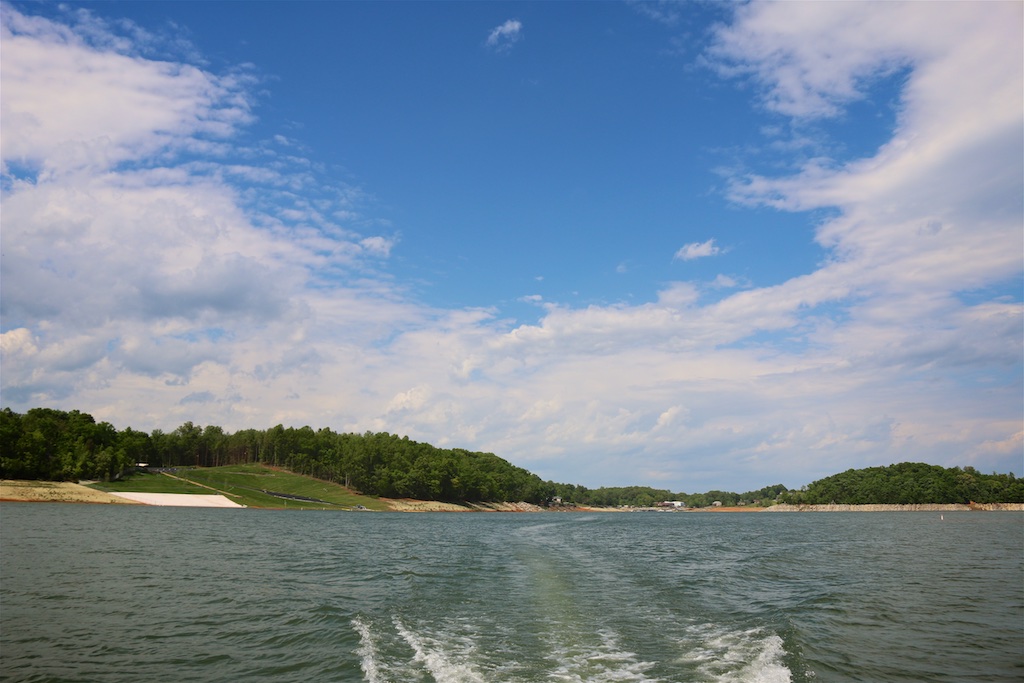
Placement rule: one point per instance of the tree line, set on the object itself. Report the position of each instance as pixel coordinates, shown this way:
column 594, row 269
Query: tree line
column 909, row 483
column 50, row 444
column 56, row 445
column 645, row 496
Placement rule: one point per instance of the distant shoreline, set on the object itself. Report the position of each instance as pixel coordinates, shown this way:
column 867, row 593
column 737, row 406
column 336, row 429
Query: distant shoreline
column 916, row 507
column 68, row 492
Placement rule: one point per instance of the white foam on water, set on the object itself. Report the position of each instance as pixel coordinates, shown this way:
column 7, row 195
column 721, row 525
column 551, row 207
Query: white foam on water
column 367, row 652
column 443, row 665
column 712, row 654
column 731, row 656
column 767, row 667
column 583, row 660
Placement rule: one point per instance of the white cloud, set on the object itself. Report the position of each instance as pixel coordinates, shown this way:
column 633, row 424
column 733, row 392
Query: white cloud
column 503, row 37
column 230, row 290
column 670, row 416
column 695, row 250
column 811, row 59
column 724, row 282
column 413, row 399
column 378, row 246
column 118, row 257
column 937, row 208
column 55, row 122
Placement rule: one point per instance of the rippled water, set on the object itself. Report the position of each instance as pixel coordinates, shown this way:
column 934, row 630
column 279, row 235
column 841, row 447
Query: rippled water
column 110, row 593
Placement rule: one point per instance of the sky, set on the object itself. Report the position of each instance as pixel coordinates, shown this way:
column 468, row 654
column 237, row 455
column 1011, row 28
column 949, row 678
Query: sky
column 686, row 245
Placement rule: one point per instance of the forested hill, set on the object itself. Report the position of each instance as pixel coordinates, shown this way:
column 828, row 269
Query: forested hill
column 910, row 483
column 52, row 444
column 49, row 444
column 56, row 445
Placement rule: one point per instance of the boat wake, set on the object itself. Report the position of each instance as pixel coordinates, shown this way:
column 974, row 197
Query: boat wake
column 398, row 652
column 721, row 655
column 426, row 657
column 603, row 659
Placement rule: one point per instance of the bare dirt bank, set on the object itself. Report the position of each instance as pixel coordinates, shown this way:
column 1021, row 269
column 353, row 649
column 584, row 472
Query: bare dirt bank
column 56, row 492
column 921, row 507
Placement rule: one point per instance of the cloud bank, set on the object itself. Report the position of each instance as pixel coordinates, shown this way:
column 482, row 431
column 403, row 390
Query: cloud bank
column 159, row 266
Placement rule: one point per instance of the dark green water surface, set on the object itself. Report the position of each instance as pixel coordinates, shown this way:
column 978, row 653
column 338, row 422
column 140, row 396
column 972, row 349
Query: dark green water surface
column 129, row 594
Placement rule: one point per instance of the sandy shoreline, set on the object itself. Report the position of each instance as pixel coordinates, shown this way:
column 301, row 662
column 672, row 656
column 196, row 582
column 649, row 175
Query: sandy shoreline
column 56, row 492
column 12, row 491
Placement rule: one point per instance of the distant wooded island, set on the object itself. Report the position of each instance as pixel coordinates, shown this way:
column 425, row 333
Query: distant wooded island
column 57, row 445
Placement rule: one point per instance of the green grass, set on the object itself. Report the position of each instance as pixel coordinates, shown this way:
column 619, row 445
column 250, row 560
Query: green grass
column 245, row 484
column 149, row 483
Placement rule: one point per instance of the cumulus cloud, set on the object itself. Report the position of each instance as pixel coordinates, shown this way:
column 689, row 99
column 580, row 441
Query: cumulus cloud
column 55, row 123
column 811, row 60
column 845, row 359
column 151, row 286
column 503, row 37
column 125, row 232
column 937, row 209
column 695, row 250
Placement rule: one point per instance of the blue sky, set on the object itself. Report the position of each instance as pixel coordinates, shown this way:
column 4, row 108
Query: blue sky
column 688, row 245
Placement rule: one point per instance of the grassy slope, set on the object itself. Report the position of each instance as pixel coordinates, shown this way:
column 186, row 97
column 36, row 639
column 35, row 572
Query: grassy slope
column 245, row 484
column 149, row 483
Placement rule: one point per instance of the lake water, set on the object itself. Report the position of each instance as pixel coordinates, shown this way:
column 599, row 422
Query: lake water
column 128, row 594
